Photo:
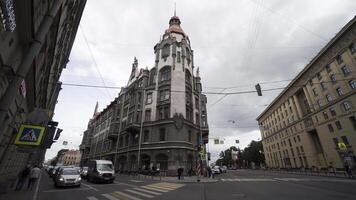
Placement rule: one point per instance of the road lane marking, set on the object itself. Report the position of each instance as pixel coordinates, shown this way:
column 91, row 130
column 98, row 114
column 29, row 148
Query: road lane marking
column 140, row 193
column 160, row 187
column 154, row 189
column 92, row 198
column 136, row 181
column 89, row 186
column 127, row 195
column 67, row 190
column 147, row 191
column 108, row 196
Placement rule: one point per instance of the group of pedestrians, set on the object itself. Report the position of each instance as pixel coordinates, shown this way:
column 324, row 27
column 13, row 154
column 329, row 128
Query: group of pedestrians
column 29, row 174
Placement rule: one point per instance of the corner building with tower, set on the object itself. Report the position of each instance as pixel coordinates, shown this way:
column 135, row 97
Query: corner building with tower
column 159, row 118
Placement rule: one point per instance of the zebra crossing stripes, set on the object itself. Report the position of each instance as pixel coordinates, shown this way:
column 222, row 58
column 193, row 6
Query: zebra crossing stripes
column 139, row 193
column 147, row 191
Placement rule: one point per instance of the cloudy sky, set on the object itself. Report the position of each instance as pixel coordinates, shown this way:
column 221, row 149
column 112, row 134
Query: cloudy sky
column 236, row 43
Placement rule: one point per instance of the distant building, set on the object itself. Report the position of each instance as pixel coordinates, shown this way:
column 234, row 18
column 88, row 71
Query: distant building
column 36, row 97
column 313, row 121
column 70, row 157
column 159, row 117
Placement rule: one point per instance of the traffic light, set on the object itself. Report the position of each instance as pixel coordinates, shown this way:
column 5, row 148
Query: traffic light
column 258, row 89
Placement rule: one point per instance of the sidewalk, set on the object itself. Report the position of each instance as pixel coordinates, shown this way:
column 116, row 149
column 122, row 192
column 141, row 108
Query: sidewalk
column 185, row 179
column 23, row 194
column 324, row 173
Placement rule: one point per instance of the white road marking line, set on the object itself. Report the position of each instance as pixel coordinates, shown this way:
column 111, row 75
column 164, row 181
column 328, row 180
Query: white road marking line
column 136, row 181
column 168, row 186
column 140, row 193
column 37, row 187
column 161, row 187
column 70, row 190
column 91, row 187
column 154, row 189
column 147, row 191
column 108, row 196
column 92, row 198
column 127, row 195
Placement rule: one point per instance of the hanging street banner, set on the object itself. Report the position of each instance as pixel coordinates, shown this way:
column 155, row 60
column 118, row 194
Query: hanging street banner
column 30, row 135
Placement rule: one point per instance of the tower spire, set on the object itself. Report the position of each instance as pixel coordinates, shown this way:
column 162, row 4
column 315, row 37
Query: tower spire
column 175, row 9
column 96, row 109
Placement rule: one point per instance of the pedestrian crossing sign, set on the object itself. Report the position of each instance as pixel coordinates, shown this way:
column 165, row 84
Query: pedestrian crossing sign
column 29, row 135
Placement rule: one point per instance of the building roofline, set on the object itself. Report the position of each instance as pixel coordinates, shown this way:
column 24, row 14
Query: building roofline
column 310, row 64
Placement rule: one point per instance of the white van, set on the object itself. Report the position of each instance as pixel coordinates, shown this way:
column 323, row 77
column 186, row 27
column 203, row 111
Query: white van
column 101, row 171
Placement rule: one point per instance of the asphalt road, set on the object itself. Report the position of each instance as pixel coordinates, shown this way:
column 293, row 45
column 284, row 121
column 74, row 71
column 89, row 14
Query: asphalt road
column 239, row 184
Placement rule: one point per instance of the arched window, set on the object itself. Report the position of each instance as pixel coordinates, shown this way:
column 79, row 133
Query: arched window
column 165, row 74
column 165, row 51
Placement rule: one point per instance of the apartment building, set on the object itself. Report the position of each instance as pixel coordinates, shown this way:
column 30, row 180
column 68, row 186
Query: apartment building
column 312, row 122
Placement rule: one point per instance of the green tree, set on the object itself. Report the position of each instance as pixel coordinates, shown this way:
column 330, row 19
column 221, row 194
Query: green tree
column 253, row 153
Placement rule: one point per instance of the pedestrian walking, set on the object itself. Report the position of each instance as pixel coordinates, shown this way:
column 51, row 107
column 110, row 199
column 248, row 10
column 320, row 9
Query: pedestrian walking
column 22, row 177
column 34, row 176
column 348, row 170
column 179, row 172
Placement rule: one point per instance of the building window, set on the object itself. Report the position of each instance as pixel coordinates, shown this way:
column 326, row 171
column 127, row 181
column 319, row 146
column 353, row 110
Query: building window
column 339, row 59
column 153, row 75
column 178, row 56
column 325, row 114
column 346, row 106
column 189, row 114
column 165, row 74
column 196, row 102
column 314, row 92
column 189, row 135
column 319, row 76
column 322, row 85
column 339, row 91
column 197, row 118
column 302, row 149
column 147, row 115
column 352, row 48
column 345, row 70
column 163, row 112
column 327, row 68
column 164, row 95
column 333, row 78
column 330, row 127
column 338, row 125
column 332, row 111
column 345, row 140
column 329, row 98
column 188, row 77
column 298, row 137
column 311, row 84
column 146, row 136
column 165, row 50
column 352, row 84
column 149, row 98
column 353, row 121
column 162, row 134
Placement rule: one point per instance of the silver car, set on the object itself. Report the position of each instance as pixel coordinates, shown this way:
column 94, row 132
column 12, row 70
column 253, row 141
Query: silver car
column 68, row 177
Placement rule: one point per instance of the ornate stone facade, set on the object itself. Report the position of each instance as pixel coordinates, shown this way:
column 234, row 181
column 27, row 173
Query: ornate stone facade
column 158, row 118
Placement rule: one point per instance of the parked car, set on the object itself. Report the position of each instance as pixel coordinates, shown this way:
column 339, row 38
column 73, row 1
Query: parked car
column 84, row 172
column 223, row 169
column 216, row 170
column 101, row 171
column 67, row 177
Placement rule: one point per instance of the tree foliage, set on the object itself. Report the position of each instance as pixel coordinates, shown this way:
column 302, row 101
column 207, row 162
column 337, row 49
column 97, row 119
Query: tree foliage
column 252, row 153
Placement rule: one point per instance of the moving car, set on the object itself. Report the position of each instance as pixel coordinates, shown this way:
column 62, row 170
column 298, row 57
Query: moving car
column 84, row 172
column 101, row 171
column 67, row 177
